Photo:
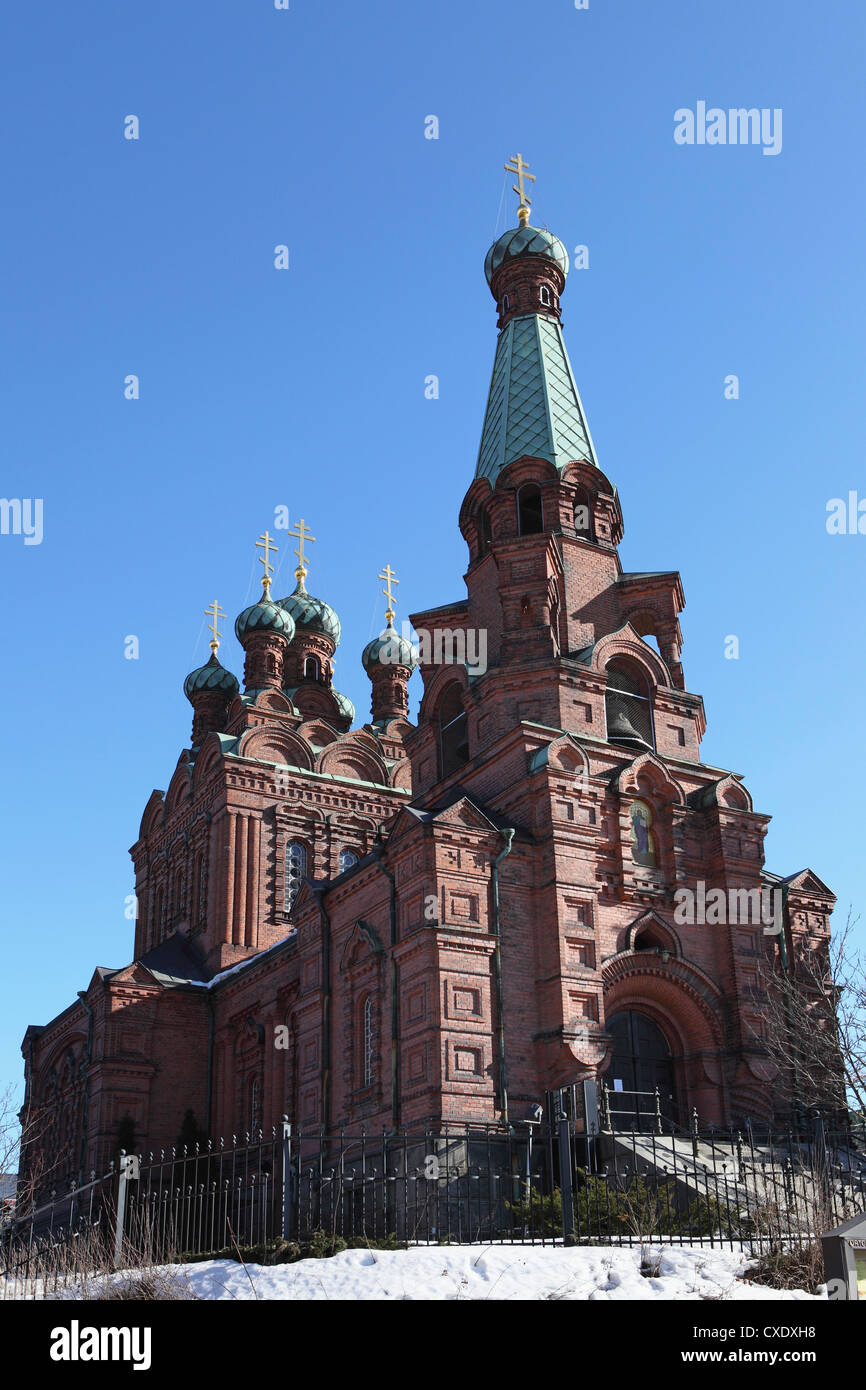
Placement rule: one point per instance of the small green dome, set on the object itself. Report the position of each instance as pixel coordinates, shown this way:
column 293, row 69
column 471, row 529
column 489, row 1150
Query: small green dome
column 525, row 241
column 390, row 649
column 345, row 706
column 264, row 616
column 312, row 614
column 212, row 676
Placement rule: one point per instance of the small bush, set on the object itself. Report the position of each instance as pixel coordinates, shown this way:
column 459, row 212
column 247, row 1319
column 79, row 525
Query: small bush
column 789, row 1269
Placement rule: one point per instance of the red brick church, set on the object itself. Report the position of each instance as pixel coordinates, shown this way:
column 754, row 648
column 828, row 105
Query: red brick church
column 393, row 924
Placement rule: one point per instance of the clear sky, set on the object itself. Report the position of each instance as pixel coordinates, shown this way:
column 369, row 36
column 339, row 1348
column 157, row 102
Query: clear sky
column 304, row 388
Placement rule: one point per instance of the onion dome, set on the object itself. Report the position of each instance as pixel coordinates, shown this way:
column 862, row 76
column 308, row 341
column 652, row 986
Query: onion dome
column 264, row 616
column 311, row 614
column 345, row 706
column 211, row 677
column 390, row 649
column 525, row 241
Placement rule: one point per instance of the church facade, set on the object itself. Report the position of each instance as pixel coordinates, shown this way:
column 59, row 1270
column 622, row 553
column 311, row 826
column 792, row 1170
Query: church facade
column 397, row 924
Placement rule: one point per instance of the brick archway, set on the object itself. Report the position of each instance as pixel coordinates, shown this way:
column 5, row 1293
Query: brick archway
column 680, row 1000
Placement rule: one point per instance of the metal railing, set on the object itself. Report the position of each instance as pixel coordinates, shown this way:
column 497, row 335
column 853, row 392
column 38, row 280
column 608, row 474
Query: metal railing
column 560, row 1177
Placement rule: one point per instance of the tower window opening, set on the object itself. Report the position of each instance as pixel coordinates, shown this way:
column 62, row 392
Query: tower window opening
column 484, row 534
column 545, row 296
column 628, row 708
column 506, row 303
column 582, row 516
column 312, row 669
column 530, row 515
column 453, row 732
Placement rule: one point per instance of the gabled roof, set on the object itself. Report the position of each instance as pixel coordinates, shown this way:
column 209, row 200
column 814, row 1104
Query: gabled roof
column 533, row 406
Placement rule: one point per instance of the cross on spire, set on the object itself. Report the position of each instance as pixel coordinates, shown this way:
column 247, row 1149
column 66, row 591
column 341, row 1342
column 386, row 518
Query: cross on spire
column 390, row 578
column 266, row 543
column 517, row 165
column 214, row 612
column 301, row 532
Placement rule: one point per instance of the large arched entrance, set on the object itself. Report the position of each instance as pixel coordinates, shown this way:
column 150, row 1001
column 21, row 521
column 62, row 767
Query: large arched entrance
column 641, row 1061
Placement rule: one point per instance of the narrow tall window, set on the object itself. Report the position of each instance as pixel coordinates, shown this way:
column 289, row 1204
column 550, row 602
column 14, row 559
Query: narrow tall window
column 312, row 669
column 484, row 535
column 296, row 868
column 347, row 858
column 367, row 1061
column 453, row 735
column 544, row 295
column 530, row 517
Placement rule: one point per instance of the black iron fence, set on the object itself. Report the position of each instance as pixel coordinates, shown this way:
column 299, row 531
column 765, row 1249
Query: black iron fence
column 563, row 1175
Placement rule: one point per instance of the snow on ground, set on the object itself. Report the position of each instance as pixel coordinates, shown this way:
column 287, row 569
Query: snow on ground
column 484, row 1271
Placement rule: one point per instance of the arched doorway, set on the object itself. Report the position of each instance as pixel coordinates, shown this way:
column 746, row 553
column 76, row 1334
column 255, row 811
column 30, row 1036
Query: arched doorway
column 641, row 1062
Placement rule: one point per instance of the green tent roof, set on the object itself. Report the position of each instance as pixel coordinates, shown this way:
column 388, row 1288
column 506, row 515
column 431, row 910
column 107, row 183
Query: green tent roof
column 533, row 407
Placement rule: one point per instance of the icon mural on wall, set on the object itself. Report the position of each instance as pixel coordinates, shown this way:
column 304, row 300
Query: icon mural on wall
column 643, row 842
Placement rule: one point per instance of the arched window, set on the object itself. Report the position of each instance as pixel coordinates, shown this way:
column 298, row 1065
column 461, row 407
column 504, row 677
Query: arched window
column 453, row 735
column 530, row 517
column 312, row 669
column 506, row 303
column 544, row 295
column 296, row 868
column 367, row 1042
column 627, row 707
column 484, row 533
column 347, row 858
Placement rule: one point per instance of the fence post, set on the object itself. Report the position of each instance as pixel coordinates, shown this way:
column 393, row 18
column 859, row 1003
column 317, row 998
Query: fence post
column 286, row 1178
column 563, row 1128
column 128, row 1171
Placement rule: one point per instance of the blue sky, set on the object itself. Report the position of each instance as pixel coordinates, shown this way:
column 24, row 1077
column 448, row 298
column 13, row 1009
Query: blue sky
column 305, row 387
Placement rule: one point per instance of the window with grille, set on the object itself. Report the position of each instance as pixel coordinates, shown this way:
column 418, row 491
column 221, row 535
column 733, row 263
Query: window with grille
column 348, row 857
column 296, row 868
column 628, row 708
column 367, row 1061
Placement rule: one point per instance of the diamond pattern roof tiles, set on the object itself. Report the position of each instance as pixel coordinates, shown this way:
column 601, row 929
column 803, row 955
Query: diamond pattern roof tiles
column 533, row 405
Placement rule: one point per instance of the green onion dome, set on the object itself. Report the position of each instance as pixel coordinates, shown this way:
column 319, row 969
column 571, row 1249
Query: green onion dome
column 212, row 676
column 311, row 614
column 264, row 616
column 345, row 706
column 390, row 649
column 525, row 241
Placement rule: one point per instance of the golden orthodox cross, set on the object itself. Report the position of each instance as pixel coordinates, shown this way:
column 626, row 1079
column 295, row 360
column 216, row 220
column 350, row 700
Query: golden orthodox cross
column 390, row 578
column 214, row 613
column 266, row 543
column 302, row 533
column 517, row 165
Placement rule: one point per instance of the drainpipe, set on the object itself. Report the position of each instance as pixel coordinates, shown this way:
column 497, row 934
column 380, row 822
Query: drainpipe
column 395, row 999
column 85, row 1068
column 796, row 1096
column 326, row 1006
column 208, row 1103
column 508, row 835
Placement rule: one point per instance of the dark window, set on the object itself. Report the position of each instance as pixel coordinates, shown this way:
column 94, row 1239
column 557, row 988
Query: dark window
column 506, row 303
column 530, row 517
column 484, row 534
column 453, row 738
column 582, row 516
column 312, row 670
column 628, row 708
column 544, row 295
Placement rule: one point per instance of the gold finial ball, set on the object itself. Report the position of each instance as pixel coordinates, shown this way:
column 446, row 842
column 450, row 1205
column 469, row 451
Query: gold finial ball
column 523, row 215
